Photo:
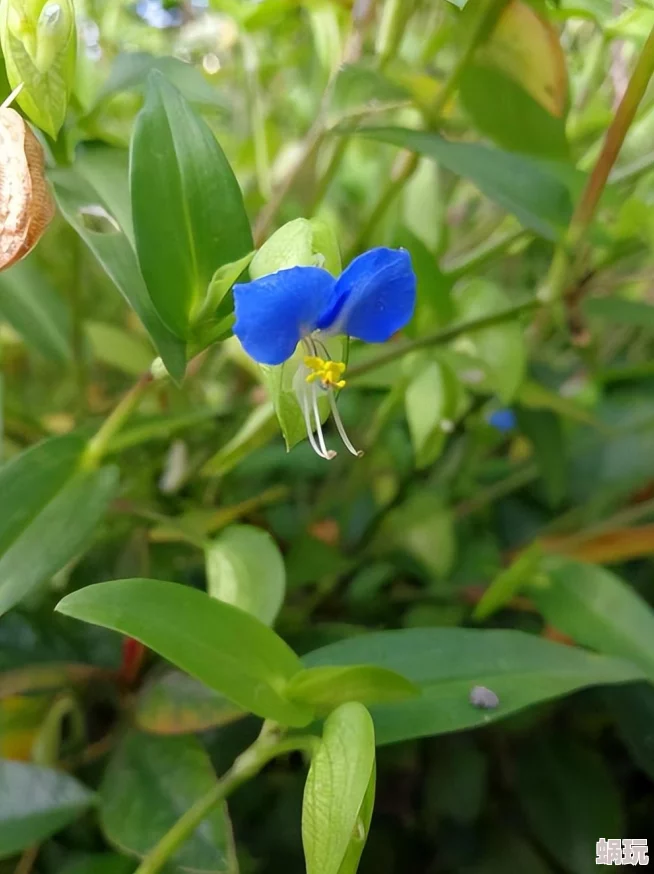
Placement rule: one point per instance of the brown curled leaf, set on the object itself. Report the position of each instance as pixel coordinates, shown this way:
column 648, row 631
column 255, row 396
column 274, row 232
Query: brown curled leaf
column 26, row 206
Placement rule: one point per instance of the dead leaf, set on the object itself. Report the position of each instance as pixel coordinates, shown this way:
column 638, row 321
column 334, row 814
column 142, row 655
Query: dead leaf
column 26, row 205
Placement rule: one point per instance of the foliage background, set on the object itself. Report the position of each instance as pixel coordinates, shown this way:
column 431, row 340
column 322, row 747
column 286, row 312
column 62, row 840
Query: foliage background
column 459, row 517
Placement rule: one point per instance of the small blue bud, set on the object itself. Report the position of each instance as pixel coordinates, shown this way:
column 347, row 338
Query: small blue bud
column 503, row 420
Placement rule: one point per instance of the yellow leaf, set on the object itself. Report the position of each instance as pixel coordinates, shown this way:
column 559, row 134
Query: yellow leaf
column 526, row 47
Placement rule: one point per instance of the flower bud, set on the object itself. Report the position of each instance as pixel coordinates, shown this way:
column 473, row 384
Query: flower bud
column 38, row 39
column 26, row 206
column 299, row 243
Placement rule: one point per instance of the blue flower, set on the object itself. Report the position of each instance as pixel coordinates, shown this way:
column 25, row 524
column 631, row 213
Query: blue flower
column 371, row 300
column 503, row 420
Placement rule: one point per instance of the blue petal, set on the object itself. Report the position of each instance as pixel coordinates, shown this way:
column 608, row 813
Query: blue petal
column 374, row 297
column 503, row 420
column 275, row 311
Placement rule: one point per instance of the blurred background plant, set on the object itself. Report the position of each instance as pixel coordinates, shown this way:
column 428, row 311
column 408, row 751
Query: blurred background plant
column 503, row 513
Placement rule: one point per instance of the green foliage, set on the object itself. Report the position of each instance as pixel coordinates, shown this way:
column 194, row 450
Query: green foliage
column 433, row 654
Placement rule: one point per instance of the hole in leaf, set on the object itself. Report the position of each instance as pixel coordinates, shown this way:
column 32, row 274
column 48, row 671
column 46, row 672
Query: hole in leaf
column 96, row 218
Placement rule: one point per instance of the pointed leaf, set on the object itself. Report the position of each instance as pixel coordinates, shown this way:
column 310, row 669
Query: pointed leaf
column 35, row 803
column 448, row 663
column 216, row 643
column 342, row 769
column 528, row 190
column 189, row 218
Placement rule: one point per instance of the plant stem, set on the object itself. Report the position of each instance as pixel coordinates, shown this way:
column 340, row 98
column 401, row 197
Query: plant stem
column 246, row 766
column 567, row 252
column 444, row 335
column 99, row 444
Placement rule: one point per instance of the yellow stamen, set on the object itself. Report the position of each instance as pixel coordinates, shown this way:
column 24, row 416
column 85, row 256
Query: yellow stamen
column 328, row 372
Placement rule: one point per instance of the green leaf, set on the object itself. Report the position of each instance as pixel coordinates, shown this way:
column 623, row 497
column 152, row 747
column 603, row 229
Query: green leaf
column 39, row 45
column 35, row 803
column 257, row 430
column 421, row 526
column 129, row 72
column 83, row 209
column 447, row 663
column 569, row 799
column 632, row 707
column 220, row 645
column 158, row 427
column 503, row 110
column 500, row 348
column 245, row 568
column 325, row 688
column 35, row 310
column 106, row 169
column 620, row 311
column 528, row 190
column 54, row 509
column 148, row 784
column 597, row 609
column 432, row 401
column 544, row 431
column 174, row 703
column 117, row 348
column 299, row 243
column 187, row 208
column 333, row 812
column 99, row 863
column 509, row 582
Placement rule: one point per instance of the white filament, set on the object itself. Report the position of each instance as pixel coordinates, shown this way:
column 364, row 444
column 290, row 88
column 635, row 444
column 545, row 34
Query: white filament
column 340, row 427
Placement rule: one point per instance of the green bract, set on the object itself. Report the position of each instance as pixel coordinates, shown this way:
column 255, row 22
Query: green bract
column 38, row 41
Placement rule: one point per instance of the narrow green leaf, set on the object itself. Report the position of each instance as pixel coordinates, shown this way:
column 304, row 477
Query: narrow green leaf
column 342, row 769
column 256, row 431
column 129, row 72
column 53, row 511
column 84, row 210
column 174, row 703
column 182, row 190
column 156, row 779
column 621, row 311
column 509, row 582
column 528, row 190
column 245, row 568
column 117, row 348
column 35, row 310
column 325, row 688
column 220, row 645
column 35, row 803
column 448, row 663
column 597, row 609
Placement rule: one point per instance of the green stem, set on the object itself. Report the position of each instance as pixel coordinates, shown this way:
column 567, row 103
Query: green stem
column 99, row 444
column 567, row 251
column 444, row 335
column 246, row 766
